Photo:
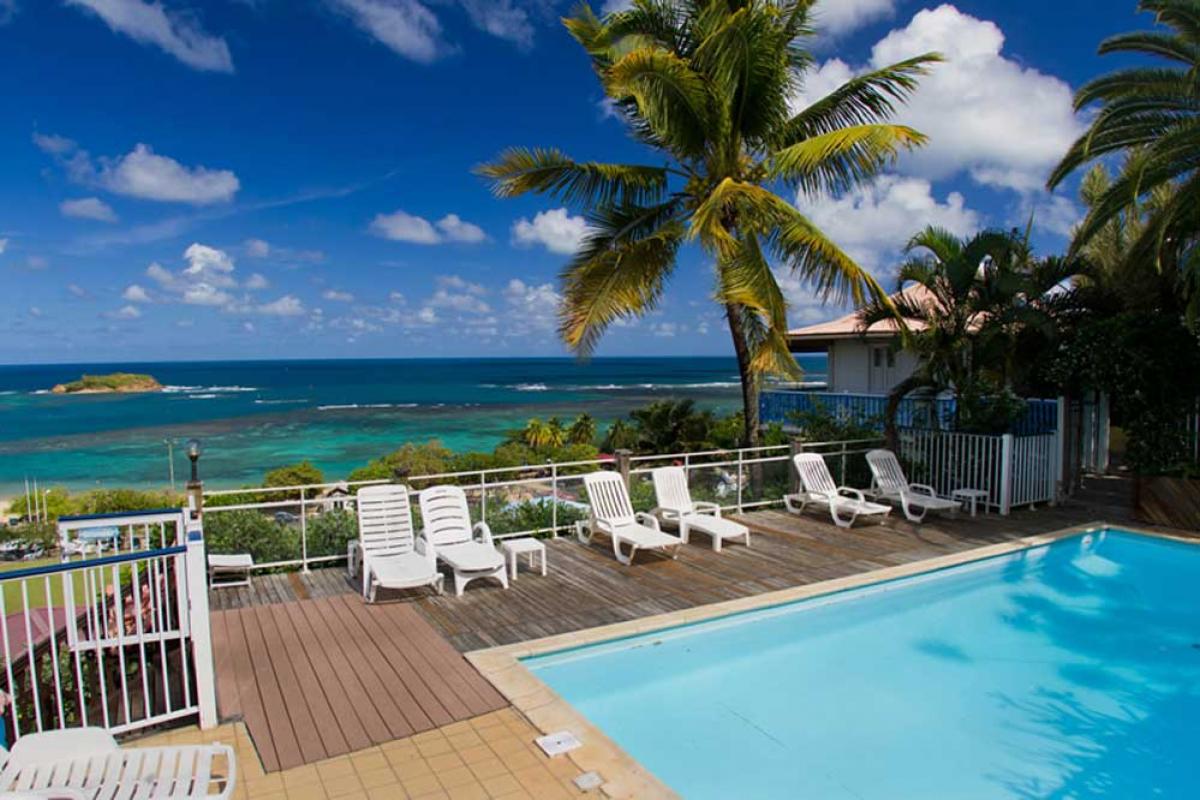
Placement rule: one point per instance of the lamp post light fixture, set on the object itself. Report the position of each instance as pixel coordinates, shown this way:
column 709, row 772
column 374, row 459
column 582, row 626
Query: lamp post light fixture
column 195, row 488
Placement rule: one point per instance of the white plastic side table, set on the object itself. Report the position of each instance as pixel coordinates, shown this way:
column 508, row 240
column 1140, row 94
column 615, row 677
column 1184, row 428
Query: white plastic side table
column 529, row 547
column 972, row 496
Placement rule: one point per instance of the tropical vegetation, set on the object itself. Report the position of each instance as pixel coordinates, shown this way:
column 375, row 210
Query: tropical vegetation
column 709, row 87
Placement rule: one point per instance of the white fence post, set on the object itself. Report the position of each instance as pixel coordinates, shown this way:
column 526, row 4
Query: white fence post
column 1006, row 473
column 201, row 632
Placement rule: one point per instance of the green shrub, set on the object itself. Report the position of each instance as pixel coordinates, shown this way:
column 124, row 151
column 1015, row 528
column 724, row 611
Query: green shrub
column 246, row 531
column 328, row 532
column 532, row 515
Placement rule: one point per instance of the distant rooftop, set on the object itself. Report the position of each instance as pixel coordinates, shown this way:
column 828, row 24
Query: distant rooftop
column 849, row 327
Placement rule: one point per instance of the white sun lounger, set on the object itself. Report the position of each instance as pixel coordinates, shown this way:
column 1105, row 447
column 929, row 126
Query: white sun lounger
column 675, row 505
column 612, row 514
column 447, row 527
column 844, row 503
column 916, row 499
column 87, row 763
column 393, row 557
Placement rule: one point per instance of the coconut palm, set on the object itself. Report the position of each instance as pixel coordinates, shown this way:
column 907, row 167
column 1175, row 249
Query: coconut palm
column 977, row 312
column 708, row 85
column 582, row 430
column 1150, row 112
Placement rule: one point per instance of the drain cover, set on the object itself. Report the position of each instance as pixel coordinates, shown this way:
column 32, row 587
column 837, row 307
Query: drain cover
column 587, row 781
column 557, row 743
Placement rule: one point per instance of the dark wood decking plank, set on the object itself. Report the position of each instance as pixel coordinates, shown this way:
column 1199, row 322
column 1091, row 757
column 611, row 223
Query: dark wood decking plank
column 335, row 686
column 358, row 696
column 333, row 741
column 279, row 730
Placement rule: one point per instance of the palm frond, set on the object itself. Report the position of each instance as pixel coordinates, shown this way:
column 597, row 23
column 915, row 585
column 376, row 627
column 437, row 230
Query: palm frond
column 671, row 98
column 547, row 171
column 837, row 161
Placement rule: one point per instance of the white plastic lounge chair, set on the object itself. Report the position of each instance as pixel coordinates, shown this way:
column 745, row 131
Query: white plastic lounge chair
column 890, row 483
column 392, row 556
column 818, row 488
column 675, row 505
column 234, row 568
column 447, row 527
column 612, row 514
column 87, row 763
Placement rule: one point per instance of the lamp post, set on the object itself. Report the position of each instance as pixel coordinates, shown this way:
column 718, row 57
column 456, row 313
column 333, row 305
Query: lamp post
column 195, row 488
column 170, row 443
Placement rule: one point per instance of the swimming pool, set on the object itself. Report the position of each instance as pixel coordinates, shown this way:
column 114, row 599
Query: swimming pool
column 1070, row 670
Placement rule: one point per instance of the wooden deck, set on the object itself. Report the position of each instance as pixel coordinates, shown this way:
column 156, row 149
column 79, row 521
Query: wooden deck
column 317, row 678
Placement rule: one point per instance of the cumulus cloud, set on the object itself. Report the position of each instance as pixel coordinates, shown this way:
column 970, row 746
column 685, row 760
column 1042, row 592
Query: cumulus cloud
column 143, row 173
column 873, row 223
column 135, row 293
column 838, row 17
column 400, row 226
column 126, row 312
column 556, row 230
column 337, row 296
column 256, row 281
column 257, row 248
column 531, row 307
column 286, row 306
column 405, row 26
column 985, row 114
column 54, row 144
column 88, row 208
column 503, row 19
column 151, row 23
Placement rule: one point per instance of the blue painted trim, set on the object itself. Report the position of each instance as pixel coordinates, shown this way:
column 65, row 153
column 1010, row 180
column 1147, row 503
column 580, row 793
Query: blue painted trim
column 146, row 513
column 69, row 566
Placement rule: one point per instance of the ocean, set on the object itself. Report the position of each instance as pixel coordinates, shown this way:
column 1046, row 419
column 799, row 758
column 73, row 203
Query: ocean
column 252, row 416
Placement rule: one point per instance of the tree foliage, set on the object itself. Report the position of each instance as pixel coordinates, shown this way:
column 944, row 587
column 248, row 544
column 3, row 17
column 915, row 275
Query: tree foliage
column 708, row 85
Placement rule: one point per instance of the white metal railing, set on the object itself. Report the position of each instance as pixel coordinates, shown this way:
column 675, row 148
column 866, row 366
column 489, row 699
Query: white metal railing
column 1012, row 470
column 118, row 641
column 96, row 534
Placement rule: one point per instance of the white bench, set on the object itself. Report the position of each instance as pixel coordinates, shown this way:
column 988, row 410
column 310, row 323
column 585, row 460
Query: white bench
column 236, row 565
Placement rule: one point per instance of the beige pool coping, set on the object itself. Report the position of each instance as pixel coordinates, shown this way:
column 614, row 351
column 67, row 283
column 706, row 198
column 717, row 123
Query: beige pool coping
column 623, row 776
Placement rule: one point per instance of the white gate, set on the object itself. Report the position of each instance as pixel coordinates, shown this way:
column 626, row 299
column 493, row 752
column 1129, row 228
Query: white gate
column 119, row 640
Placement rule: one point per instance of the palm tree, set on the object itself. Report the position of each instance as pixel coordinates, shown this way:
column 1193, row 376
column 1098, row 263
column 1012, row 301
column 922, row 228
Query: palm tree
column 977, row 312
column 582, row 430
column 706, row 85
column 671, row 426
column 1150, row 113
column 621, row 436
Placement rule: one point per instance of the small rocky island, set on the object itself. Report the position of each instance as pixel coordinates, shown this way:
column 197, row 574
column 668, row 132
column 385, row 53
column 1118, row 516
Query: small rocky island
column 114, row 383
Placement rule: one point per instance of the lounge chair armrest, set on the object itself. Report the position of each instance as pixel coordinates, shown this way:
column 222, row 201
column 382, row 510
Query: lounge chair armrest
column 666, row 512
column 849, row 491
column 649, row 520
column 484, row 529
column 425, row 548
column 705, row 507
column 922, row 488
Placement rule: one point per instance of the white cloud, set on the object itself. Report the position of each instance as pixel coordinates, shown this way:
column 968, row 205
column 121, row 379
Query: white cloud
column 1052, row 213
column 873, row 223
column 88, row 208
column 396, row 297
column 459, row 283
column 838, row 17
column 462, row 302
column 1004, row 124
column 135, row 293
column 207, row 280
column 427, row 315
column 248, row 326
column 338, row 296
column 205, row 294
column 455, row 229
column 556, row 230
column 256, row 281
column 53, row 143
column 531, row 307
column 8, row 10
column 501, row 18
column 286, row 306
column 209, row 264
column 257, row 248
column 667, row 330
column 174, row 33
column 400, row 226
column 36, row 263
column 143, row 173
column 3, row 245
column 615, row 5
column 126, row 312
column 406, row 26
column 76, row 290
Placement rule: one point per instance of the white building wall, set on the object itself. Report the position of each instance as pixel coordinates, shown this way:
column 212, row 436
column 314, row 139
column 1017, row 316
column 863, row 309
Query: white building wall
column 851, row 371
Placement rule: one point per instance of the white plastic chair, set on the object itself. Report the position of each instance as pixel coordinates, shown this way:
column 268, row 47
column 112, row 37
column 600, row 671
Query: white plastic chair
column 675, row 505
column 890, row 483
column 612, row 514
column 392, row 556
column 447, row 527
column 87, row 763
column 819, row 489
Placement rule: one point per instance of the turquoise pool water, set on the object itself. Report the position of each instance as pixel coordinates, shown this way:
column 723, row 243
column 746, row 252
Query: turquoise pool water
column 1067, row 671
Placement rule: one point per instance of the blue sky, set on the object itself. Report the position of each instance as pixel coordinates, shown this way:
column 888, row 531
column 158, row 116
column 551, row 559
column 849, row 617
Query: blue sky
column 189, row 179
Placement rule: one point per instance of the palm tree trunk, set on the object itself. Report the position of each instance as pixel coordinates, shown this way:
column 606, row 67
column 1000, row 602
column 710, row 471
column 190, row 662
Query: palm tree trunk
column 902, row 389
column 733, row 313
